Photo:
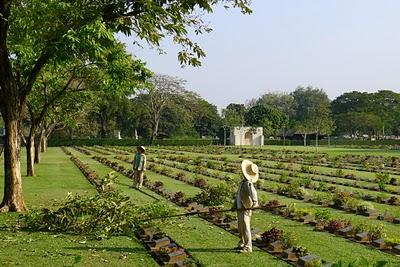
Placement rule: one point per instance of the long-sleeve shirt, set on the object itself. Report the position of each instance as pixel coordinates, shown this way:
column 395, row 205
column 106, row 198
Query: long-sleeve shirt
column 246, row 196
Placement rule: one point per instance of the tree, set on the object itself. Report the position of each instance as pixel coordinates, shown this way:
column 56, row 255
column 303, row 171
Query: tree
column 206, row 118
column 321, row 121
column 240, row 110
column 267, row 117
column 309, row 102
column 233, row 115
column 284, row 102
column 348, row 107
column 34, row 32
column 156, row 99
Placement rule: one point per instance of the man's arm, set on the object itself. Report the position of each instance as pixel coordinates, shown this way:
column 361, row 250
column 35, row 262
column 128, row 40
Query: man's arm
column 253, row 195
column 144, row 161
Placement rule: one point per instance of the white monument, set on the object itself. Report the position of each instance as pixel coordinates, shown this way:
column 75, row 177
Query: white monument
column 246, row 136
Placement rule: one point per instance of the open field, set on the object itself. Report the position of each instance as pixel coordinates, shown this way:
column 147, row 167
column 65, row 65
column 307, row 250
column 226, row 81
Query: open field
column 308, row 184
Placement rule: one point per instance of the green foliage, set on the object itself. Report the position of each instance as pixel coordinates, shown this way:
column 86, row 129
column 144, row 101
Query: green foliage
column 300, row 251
column 365, row 113
column 323, row 186
column 361, row 262
column 103, row 215
column 306, row 181
column 271, row 119
column 364, row 207
column 382, row 179
column 293, row 189
column 339, row 172
column 392, row 241
column 290, row 239
column 340, row 198
column 214, row 195
column 323, row 215
column 128, row 142
column 377, row 231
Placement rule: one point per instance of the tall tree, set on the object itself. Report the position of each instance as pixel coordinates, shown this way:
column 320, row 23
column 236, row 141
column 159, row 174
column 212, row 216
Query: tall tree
column 321, row 121
column 269, row 118
column 34, row 32
column 309, row 103
column 230, row 119
column 284, row 102
column 240, row 110
column 156, row 99
column 206, row 118
column 348, row 107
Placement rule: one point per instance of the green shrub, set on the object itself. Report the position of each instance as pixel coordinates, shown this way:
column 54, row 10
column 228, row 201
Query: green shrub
column 364, row 207
column 362, row 262
column 323, row 215
column 214, row 195
column 323, row 186
column 340, row 198
column 293, row 190
column 377, row 231
column 382, row 179
column 129, row 142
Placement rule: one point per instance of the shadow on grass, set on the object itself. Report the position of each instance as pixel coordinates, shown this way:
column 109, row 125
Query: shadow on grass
column 217, row 250
column 111, row 249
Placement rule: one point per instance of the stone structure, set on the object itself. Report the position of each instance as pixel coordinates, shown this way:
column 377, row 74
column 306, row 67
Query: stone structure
column 246, row 136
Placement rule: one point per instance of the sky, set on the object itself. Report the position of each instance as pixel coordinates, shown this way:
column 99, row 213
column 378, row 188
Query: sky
column 337, row 45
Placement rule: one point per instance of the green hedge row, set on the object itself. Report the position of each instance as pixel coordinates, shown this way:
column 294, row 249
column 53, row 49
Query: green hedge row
column 130, row 142
column 336, row 142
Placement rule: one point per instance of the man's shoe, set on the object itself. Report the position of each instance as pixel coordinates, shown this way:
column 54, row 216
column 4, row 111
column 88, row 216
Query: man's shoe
column 245, row 250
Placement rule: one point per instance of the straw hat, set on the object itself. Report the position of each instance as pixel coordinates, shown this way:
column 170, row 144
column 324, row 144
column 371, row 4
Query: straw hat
column 250, row 171
column 142, row 148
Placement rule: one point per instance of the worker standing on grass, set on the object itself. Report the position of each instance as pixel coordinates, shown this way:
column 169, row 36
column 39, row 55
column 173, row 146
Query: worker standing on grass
column 139, row 166
column 246, row 200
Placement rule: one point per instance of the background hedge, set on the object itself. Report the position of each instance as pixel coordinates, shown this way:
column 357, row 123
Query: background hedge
column 130, row 142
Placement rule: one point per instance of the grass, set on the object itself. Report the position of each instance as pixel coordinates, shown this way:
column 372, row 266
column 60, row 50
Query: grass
column 57, row 176
column 209, row 245
column 201, row 239
column 392, row 229
column 329, row 246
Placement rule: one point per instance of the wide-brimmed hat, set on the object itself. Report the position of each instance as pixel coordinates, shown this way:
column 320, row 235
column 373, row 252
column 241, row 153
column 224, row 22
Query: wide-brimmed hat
column 142, row 148
column 250, row 171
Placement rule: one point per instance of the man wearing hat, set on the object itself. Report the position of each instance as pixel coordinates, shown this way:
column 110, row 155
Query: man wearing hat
column 139, row 166
column 246, row 200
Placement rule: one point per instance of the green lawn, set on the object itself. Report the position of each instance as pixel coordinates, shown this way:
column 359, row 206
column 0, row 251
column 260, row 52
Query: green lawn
column 57, row 176
column 209, row 245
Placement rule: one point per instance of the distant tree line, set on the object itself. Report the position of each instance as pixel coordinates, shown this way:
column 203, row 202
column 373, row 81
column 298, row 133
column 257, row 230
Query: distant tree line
column 164, row 108
column 308, row 111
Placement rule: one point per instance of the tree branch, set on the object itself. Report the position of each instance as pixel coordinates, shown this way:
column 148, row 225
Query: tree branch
column 5, row 65
column 39, row 64
column 54, row 99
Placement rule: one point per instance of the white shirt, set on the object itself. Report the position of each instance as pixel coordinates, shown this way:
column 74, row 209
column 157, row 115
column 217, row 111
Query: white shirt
column 246, row 196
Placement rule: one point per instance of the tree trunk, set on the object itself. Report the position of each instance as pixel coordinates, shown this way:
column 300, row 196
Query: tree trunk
column 43, row 143
column 224, row 136
column 305, row 139
column 38, row 146
column 30, row 147
column 316, row 139
column 155, row 130
column 13, row 199
column 284, row 138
